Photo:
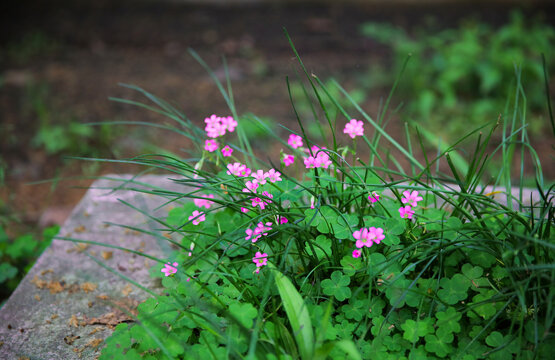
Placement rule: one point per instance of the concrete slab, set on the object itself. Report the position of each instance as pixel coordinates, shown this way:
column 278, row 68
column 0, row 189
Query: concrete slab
column 67, row 304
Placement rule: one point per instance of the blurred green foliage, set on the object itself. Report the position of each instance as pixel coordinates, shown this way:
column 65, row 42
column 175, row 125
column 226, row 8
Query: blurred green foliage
column 460, row 78
column 60, row 132
column 31, row 45
column 18, row 253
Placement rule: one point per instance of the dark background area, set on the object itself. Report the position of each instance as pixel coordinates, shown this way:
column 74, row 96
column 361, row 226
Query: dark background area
column 61, row 60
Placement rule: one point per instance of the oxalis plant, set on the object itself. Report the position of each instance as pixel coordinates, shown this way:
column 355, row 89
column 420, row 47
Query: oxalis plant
column 323, row 254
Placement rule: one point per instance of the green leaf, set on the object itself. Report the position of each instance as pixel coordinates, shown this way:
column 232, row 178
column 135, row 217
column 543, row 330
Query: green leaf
column 487, row 309
column 342, row 228
column 448, row 320
column 453, row 290
column 321, row 245
column 351, row 265
column 298, row 315
column 439, row 343
column 22, row 246
column 244, row 312
column 337, row 286
column 356, row 309
column 395, row 226
column 7, row 272
column 396, row 290
column 413, row 330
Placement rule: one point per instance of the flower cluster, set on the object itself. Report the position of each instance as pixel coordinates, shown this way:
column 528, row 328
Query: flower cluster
column 259, row 230
column 412, row 199
column 217, row 126
column 320, row 159
column 238, row 170
column 368, row 236
column 204, row 202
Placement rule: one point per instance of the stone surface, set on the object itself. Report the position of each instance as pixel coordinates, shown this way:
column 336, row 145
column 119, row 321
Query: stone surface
column 68, row 304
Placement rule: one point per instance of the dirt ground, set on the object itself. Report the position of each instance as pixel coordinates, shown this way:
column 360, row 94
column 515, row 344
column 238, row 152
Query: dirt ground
column 85, row 50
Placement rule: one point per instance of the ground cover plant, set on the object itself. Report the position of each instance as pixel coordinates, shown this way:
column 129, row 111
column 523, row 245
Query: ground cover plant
column 319, row 253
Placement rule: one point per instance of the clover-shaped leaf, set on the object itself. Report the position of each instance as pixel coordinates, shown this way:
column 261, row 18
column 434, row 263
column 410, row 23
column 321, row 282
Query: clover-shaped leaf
column 481, row 258
column 393, row 343
column 355, row 309
column 376, row 307
column 351, row 265
column 413, row 330
column 396, row 290
column 395, row 226
column 337, row 286
column 486, row 309
column 321, row 246
column 453, row 290
column 343, row 227
column 507, row 346
column 326, row 218
column 244, row 312
column 448, row 320
column 381, row 327
column 345, row 329
column 439, row 343
column 419, row 354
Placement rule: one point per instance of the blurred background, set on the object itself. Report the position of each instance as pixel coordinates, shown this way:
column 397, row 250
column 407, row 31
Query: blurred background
column 61, row 60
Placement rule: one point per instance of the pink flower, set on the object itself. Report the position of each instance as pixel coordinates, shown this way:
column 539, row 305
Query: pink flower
column 295, row 141
column 244, row 210
column 169, row 269
column 312, row 202
column 288, row 160
column 374, row 197
column 252, row 235
column 411, row 198
column 262, row 202
column 251, row 186
column 354, row 128
column 226, row 151
column 259, row 176
column 238, row 169
column 282, row 219
column 362, row 239
column 356, row 253
column 263, row 228
column 309, row 162
column 378, row 235
column 214, row 126
column 197, row 217
column 268, row 195
column 320, row 159
column 366, row 237
column 273, row 176
column 211, row 145
column 217, row 126
column 258, row 202
column 204, row 203
column 260, row 230
column 228, row 123
column 406, row 212
column 260, row 260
